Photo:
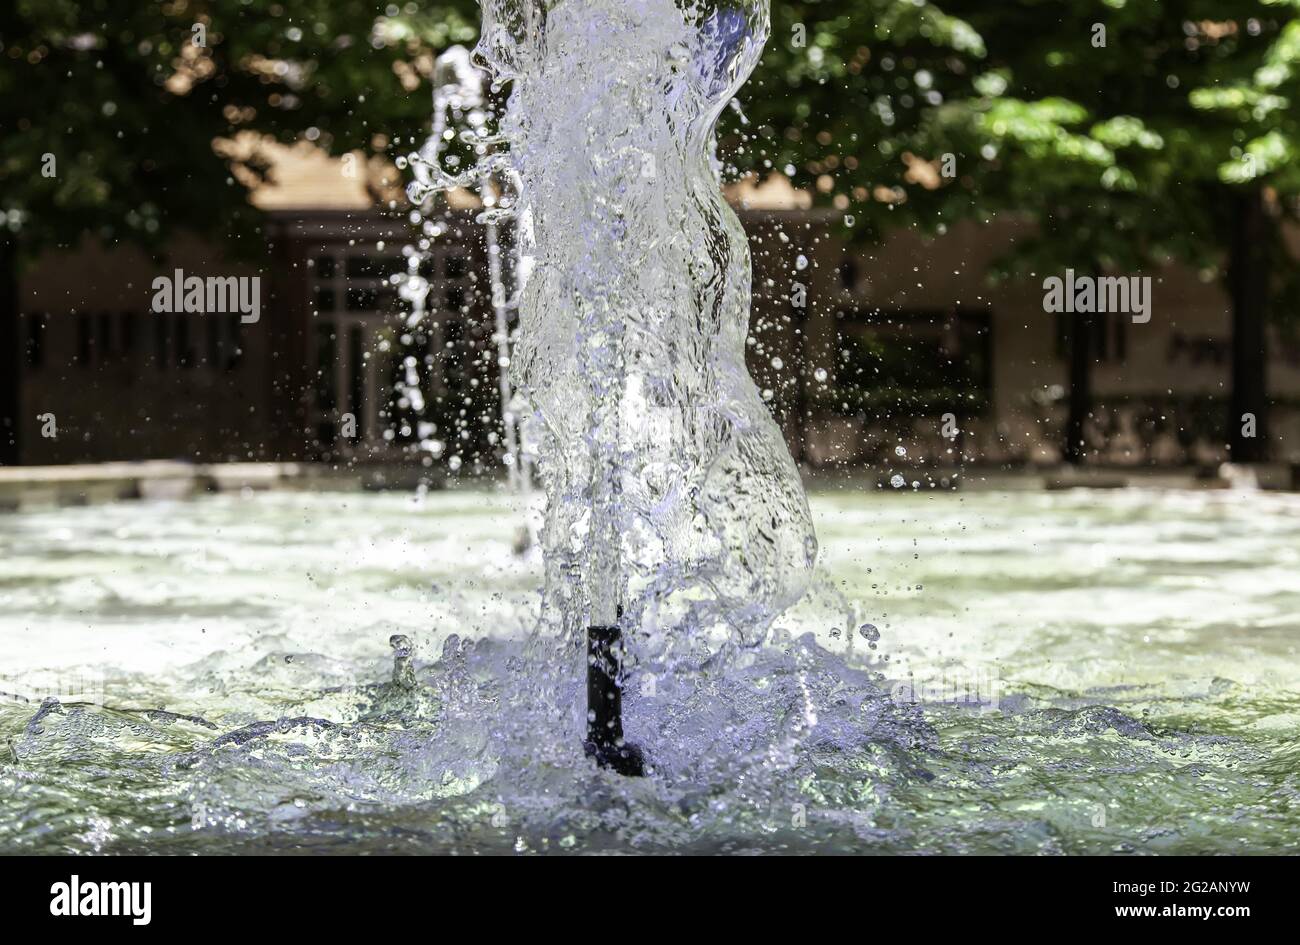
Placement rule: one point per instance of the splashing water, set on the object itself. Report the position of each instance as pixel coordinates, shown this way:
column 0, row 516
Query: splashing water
column 1143, row 694
column 671, row 496
column 458, row 94
column 673, row 506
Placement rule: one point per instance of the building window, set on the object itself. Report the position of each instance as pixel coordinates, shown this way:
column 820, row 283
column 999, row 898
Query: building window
column 324, row 266
column 1108, row 338
column 327, row 395
column 127, row 329
column 913, row 360
column 37, row 326
column 362, row 300
column 214, row 342
column 232, row 342
column 83, row 339
column 357, row 378
column 373, row 267
column 161, row 339
column 184, row 353
column 370, row 300
column 849, row 274
column 104, row 335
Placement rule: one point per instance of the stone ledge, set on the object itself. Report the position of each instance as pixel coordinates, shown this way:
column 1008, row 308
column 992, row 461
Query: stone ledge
column 1266, row 476
column 28, row 486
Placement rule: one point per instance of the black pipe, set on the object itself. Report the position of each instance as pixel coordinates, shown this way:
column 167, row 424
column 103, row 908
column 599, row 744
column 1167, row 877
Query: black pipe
column 605, row 704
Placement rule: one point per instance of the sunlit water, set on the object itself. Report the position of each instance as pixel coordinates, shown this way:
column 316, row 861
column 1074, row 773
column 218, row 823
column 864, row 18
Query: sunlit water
column 673, row 505
column 1059, row 672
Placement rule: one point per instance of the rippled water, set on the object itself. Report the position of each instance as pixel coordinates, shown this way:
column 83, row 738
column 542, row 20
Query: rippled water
column 1051, row 672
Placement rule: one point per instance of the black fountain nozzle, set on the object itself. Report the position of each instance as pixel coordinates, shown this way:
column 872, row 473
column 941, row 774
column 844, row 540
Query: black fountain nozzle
column 605, row 704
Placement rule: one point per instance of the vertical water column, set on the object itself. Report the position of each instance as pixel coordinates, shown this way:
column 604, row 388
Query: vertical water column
column 671, row 498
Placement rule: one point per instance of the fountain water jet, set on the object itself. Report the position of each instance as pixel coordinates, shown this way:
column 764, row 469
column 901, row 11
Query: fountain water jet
column 458, row 92
column 673, row 505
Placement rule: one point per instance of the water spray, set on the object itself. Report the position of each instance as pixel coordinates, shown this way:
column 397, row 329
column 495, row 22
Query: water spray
column 663, row 465
column 458, row 90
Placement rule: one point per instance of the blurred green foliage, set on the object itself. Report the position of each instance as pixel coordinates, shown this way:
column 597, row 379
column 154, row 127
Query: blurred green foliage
column 1121, row 153
column 1123, row 150
column 129, row 103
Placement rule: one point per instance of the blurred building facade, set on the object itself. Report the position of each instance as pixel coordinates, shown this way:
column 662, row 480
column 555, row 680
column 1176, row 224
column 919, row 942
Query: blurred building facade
column 859, row 350
column 919, row 315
